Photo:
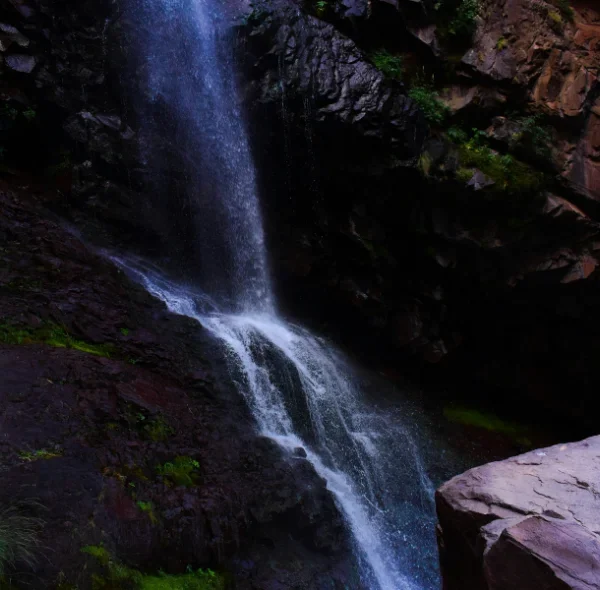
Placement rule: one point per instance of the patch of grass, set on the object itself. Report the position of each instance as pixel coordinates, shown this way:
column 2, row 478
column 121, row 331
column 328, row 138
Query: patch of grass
column 487, row 421
column 429, row 102
column 183, row 471
column 392, row 66
column 52, row 335
column 18, row 538
column 38, row 455
column 118, row 576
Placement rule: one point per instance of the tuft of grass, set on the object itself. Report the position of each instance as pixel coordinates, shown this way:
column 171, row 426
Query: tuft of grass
column 429, row 102
column 52, row 335
column 19, row 538
column 183, row 471
column 391, row 65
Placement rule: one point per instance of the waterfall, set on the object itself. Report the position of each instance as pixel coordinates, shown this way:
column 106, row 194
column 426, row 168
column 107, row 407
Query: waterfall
column 300, row 389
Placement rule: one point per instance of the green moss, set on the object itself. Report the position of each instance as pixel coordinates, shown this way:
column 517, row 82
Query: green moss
column 555, row 16
column 183, row 471
column 117, row 576
column 509, row 175
column 502, row 44
column 193, row 580
column 565, row 9
column 52, row 335
column 463, row 24
column 125, row 331
column 425, row 163
column 391, row 65
column 321, row 7
column 429, row 102
column 98, row 552
column 464, row 174
column 39, row 455
column 487, row 421
column 158, row 430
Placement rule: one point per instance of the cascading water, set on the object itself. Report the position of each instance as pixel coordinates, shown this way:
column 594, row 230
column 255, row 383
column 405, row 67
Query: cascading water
column 300, row 390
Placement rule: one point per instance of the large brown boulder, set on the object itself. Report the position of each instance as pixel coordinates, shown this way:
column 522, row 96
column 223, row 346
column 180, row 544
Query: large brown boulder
column 529, row 522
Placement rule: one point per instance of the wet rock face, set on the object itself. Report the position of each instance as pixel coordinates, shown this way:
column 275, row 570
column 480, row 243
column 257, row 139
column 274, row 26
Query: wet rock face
column 527, row 522
column 100, row 387
column 379, row 231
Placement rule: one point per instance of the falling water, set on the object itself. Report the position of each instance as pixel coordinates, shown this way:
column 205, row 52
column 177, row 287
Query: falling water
column 301, row 391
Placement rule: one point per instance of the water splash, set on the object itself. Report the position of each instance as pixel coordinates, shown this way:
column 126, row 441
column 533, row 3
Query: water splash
column 301, row 391
column 184, row 58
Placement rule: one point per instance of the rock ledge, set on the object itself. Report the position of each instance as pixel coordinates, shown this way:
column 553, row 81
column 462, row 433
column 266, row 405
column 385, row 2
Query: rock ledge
column 528, row 522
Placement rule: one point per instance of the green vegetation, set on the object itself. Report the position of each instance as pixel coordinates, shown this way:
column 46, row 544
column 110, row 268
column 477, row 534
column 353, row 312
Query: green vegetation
column 125, row 331
column 39, row 455
column 18, row 538
column 463, row 24
column 510, row 176
column 29, row 114
column 487, row 421
column 429, row 102
column 52, row 335
column 158, row 430
column 321, row 7
column 183, row 471
column 502, row 44
column 148, row 508
column 565, row 9
column 391, row 65
column 533, row 137
column 118, row 576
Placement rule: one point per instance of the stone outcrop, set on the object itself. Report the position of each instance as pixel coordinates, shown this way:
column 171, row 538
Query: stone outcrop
column 401, row 243
column 101, row 385
column 528, row 522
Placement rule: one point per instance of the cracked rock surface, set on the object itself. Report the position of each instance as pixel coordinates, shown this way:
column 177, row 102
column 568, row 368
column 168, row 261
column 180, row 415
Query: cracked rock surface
column 531, row 521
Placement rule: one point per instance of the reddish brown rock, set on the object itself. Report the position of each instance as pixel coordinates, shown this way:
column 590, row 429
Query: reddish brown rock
column 529, row 522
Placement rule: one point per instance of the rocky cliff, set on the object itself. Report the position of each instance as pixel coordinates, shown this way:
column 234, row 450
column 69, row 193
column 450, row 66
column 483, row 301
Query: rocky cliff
column 431, row 181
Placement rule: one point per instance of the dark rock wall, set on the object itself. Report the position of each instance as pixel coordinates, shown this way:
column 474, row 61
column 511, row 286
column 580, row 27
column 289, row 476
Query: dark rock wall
column 481, row 281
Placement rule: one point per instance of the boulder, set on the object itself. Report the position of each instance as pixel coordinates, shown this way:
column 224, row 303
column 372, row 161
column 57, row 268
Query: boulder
column 528, row 522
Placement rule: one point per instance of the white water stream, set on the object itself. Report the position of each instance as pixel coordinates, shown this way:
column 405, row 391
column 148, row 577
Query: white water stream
column 301, row 391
